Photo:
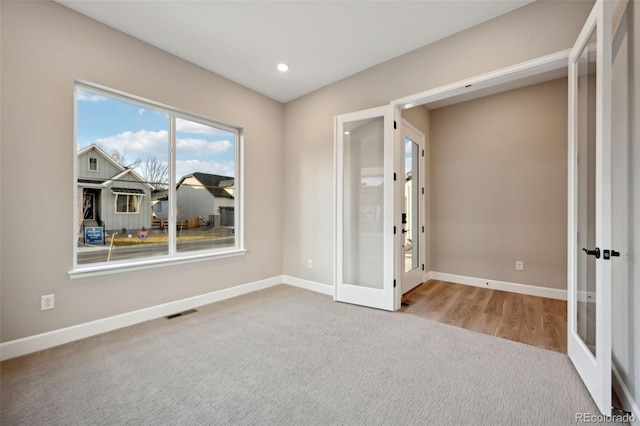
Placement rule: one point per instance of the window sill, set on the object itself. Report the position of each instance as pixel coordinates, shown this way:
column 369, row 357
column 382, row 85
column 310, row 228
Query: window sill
column 117, row 268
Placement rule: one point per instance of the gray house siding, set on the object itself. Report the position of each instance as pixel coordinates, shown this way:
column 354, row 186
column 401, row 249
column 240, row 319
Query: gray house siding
column 106, row 169
column 114, row 221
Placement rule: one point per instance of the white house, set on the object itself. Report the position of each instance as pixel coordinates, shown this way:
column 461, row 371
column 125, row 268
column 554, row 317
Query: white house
column 206, row 196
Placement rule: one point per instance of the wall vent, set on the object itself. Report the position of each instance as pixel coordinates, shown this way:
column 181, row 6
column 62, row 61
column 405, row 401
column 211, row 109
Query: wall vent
column 180, row 314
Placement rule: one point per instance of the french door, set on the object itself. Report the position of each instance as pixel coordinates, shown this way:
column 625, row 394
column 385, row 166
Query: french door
column 412, row 183
column 364, row 160
column 590, row 254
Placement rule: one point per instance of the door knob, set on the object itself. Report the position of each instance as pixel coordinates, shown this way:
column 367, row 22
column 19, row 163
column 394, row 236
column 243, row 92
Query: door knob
column 595, row 252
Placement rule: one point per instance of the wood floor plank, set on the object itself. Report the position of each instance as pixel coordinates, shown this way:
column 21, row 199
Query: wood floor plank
column 527, row 319
column 495, row 305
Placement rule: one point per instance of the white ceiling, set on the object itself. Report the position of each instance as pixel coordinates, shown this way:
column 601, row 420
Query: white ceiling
column 321, row 41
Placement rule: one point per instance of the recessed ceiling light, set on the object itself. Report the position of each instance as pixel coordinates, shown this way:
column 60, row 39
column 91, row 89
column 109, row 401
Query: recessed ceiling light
column 283, row 67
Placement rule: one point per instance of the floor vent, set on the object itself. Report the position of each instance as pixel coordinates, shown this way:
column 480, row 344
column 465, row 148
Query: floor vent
column 407, row 303
column 181, row 314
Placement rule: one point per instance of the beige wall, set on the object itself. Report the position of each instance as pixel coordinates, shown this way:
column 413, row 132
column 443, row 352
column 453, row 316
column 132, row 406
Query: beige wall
column 45, row 47
column 504, row 41
column 498, row 186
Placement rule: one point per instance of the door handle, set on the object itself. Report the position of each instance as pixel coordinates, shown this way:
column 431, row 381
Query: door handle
column 595, row 252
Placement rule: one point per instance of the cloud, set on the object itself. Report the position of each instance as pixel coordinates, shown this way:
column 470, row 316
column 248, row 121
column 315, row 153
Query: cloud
column 138, row 145
column 84, row 96
column 222, row 168
column 186, row 126
column 141, row 111
column 201, row 147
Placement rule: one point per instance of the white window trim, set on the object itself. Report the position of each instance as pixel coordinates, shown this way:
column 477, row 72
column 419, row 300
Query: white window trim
column 173, row 258
column 127, row 204
column 89, row 165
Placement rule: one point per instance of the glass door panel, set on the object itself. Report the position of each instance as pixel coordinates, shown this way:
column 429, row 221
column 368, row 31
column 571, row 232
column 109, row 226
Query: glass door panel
column 412, row 203
column 363, row 201
column 586, row 193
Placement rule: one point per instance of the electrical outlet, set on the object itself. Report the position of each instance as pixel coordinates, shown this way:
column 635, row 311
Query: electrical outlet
column 309, row 263
column 47, row 302
column 519, row 265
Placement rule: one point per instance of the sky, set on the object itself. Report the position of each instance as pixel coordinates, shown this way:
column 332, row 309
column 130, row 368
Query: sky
column 141, row 133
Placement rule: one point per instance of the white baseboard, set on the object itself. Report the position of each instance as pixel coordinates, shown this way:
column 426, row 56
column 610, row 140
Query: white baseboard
column 38, row 342
column 308, row 285
column 530, row 290
column 623, row 393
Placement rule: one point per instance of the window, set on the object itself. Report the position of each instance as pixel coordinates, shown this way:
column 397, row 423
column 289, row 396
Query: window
column 168, row 187
column 127, row 203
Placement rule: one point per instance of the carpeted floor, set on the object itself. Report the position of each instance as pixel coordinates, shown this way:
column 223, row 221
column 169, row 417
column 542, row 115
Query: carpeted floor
column 286, row 356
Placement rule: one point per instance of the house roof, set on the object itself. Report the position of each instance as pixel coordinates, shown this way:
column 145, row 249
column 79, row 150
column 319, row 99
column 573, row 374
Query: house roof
column 123, row 173
column 215, row 184
column 123, row 170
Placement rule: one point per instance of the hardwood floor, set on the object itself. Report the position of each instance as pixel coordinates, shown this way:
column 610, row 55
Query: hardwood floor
column 533, row 320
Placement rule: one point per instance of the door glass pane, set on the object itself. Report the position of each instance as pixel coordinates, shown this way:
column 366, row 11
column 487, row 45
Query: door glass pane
column 586, row 145
column 411, row 222
column 363, row 202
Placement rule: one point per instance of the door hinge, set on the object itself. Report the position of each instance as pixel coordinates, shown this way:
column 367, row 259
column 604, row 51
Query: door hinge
column 422, row 191
column 423, row 266
column 395, row 176
column 423, row 152
column 395, row 125
column 394, row 229
column 423, row 229
column 394, row 283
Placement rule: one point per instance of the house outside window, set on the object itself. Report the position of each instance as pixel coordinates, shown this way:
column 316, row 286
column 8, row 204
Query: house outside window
column 168, row 187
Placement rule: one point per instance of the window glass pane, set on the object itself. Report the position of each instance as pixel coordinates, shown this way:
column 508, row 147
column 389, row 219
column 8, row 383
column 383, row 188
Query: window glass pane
column 125, row 146
column 121, row 203
column 205, row 191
